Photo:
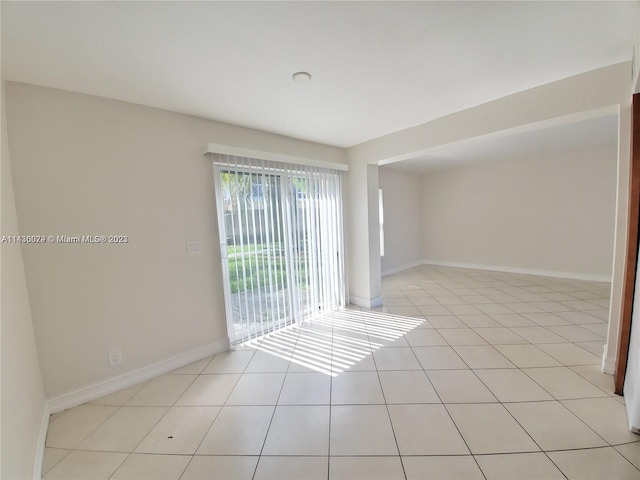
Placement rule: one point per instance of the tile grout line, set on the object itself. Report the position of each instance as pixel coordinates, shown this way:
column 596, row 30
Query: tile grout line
column 393, row 430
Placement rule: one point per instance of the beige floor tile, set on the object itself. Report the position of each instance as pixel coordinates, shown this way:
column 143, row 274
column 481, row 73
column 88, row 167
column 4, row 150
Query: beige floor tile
column 237, row 431
column 292, row 468
column 602, row 315
column 631, row 451
column 361, row 430
column 605, row 416
column 234, row 361
column 356, row 388
column 483, row 357
column 76, row 424
column 530, row 298
column 553, row 427
column 500, row 336
column 445, row 321
column 194, row 368
column 569, row 354
column 464, row 309
column 80, row 465
column 522, row 307
column 397, row 301
column 460, row 467
column 581, row 305
column 209, row 390
column 265, row 362
column 476, row 299
column 462, row 336
column 537, row 335
column 152, row 467
column 391, row 340
column 429, row 310
column 460, row 386
column 479, row 321
column 523, row 466
column 593, row 347
column 579, row 318
column 527, row 356
column 512, row 385
column 120, row 397
column 257, row 389
column 420, row 300
column 358, row 364
column 492, row 308
column 511, row 320
column 180, row 431
column 547, row 318
column 51, row 458
column 396, row 359
column 407, row 387
column 425, row 430
column 310, row 436
column 489, row 428
column 274, row 352
column 593, row 373
column 124, row 430
column 365, row 468
column 503, row 298
column 557, row 297
column 306, row 389
column 449, row 300
column 563, row 383
column 439, row 358
column 316, row 356
column 302, row 364
column 405, row 310
column 594, row 464
column 162, row 391
column 424, row 337
column 220, row 468
column 575, row 333
column 599, row 329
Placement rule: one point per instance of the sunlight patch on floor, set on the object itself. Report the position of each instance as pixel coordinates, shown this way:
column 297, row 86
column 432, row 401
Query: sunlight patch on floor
column 333, row 342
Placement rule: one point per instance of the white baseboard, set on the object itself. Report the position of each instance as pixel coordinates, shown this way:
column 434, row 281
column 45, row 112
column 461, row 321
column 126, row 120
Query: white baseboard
column 106, row 387
column 590, row 277
column 402, row 268
column 42, row 439
column 608, row 363
column 366, row 302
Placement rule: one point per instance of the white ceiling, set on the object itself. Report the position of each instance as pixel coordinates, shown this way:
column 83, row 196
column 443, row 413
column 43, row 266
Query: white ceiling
column 585, row 134
column 377, row 67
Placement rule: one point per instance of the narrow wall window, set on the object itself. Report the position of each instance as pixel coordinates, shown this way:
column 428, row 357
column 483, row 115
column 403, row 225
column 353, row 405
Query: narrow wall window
column 381, row 216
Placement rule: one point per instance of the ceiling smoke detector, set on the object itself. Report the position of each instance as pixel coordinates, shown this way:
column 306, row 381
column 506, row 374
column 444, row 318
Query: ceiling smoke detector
column 301, row 77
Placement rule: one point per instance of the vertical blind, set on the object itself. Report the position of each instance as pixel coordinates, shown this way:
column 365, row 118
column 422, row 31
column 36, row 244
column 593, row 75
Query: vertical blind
column 281, row 236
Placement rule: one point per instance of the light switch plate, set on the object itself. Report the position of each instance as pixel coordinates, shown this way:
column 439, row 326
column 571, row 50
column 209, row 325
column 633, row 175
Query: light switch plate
column 194, row 248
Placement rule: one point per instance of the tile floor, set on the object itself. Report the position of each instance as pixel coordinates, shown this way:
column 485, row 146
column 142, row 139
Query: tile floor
column 462, row 374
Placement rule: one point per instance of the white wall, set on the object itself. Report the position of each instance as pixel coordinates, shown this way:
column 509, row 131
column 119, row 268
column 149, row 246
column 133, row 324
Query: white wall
column 402, row 193
column 24, row 407
column 555, row 213
column 85, row 165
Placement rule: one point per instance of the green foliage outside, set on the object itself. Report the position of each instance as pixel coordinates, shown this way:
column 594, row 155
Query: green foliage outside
column 257, row 260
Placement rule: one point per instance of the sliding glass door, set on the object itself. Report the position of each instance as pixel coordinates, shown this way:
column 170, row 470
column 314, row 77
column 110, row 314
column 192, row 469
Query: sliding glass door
column 281, row 243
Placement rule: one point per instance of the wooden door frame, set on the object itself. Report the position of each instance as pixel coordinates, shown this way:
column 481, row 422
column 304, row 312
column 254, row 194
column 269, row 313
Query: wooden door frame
column 631, row 261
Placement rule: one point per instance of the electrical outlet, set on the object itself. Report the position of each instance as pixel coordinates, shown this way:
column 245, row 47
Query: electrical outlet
column 115, row 357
